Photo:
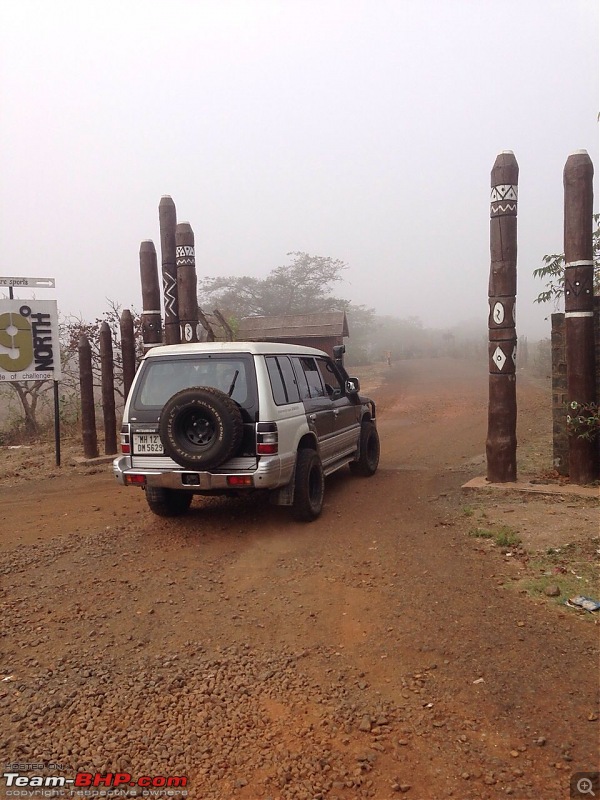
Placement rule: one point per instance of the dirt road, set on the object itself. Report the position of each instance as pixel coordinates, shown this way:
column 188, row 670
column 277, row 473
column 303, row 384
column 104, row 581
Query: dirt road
column 379, row 651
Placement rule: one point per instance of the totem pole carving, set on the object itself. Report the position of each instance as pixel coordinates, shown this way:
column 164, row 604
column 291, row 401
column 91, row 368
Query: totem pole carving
column 168, row 223
column 501, row 445
column 151, row 322
column 185, row 259
column 578, row 177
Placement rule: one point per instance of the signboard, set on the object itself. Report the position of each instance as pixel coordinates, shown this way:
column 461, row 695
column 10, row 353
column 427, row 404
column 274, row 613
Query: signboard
column 29, row 346
column 36, row 283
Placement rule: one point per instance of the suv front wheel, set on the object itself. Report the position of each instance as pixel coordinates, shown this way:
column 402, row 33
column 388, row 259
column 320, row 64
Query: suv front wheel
column 309, row 486
column 368, row 459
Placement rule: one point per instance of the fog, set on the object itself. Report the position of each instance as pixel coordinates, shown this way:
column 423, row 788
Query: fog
column 364, row 130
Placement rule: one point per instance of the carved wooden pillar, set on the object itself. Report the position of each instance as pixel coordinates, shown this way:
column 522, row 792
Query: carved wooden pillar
column 127, row 350
column 108, row 389
column 185, row 259
column 168, row 223
column 151, row 321
column 88, row 409
column 501, row 445
column 578, row 180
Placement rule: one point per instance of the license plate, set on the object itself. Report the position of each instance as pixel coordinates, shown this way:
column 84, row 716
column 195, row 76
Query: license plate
column 145, row 443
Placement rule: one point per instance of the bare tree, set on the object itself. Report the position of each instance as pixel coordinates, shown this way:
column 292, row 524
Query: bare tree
column 302, row 287
column 75, row 327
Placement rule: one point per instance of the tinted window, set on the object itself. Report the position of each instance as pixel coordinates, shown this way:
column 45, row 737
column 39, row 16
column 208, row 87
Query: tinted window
column 312, row 385
column 301, row 379
column 289, row 380
column 162, row 379
column 333, row 384
column 276, row 378
column 283, row 381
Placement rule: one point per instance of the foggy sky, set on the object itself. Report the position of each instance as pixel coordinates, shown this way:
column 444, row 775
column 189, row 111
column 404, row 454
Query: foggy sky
column 364, row 130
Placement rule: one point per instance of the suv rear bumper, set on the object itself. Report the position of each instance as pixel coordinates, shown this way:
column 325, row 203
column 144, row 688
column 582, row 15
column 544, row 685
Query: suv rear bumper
column 270, row 473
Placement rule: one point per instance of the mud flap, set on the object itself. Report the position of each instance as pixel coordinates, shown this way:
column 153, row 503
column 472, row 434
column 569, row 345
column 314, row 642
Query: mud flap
column 284, row 496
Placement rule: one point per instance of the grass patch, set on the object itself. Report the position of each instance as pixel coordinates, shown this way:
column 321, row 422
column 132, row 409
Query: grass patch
column 572, row 567
column 481, row 533
column 502, row 536
column 569, row 587
column 468, row 511
column 506, row 537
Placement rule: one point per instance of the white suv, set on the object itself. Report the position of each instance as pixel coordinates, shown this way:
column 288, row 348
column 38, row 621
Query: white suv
column 229, row 417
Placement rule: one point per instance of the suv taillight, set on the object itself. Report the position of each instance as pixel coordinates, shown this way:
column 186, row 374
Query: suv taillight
column 125, row 441
column 267, row 439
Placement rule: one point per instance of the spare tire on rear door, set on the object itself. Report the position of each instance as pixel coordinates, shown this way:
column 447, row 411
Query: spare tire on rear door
column 200, row 428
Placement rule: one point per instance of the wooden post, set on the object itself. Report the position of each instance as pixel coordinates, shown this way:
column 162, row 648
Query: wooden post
column 597, row 350
column 108, row 389
column 88, row 410
column 168, row 222
column 127, row 350
column 151, row 324
column 578, row 177
column 185, row 259
column 501, row 445
column 560, row 441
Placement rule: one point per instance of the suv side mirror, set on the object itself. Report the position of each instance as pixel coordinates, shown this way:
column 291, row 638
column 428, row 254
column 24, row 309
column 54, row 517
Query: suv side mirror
column 352, row 386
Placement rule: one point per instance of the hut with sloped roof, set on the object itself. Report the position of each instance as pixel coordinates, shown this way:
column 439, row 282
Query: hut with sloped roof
column 323, row 331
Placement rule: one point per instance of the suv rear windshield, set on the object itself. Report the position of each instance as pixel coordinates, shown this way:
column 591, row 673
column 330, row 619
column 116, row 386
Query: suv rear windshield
column 162, row 378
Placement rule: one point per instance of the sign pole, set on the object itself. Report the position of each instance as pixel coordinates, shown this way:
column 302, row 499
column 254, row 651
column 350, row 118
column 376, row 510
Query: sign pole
column 56, row 425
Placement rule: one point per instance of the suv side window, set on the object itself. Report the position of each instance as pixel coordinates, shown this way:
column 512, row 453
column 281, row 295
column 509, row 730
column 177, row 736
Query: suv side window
column 289, row 379
column 309, row 378
column 333, row 384
column 283, row 382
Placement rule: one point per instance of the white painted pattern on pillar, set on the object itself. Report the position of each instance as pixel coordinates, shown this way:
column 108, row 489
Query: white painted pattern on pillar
column 495, row 208
column 499, row 358
column 504, row 191
column 503, row 199
column 170, row 292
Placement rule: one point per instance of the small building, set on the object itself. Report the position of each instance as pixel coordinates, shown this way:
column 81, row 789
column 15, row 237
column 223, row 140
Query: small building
column 323, row 331
column 215, row 327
